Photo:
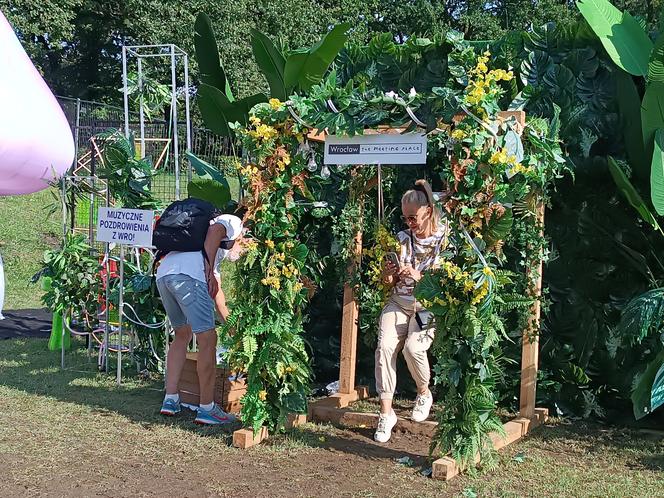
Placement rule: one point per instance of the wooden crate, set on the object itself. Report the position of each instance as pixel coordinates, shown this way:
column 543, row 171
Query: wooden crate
column 227, row 393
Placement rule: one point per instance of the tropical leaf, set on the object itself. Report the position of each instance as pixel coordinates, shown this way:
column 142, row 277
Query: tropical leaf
column 657, row 173
column 648, row 393
column 582, row 62
column 271, row 63
column 209, row 190
column 643, row 315
column 630, row 193
column 656, row 62
column 652, row 114
column 562, row 83
column 206, row 170
column 307, row 68
column 217, row 111
column 499, row 228
column 523, row 98
column 544, row 38
column 207, row 56
column 621, row 35
column 629, row 104
column 535, row 67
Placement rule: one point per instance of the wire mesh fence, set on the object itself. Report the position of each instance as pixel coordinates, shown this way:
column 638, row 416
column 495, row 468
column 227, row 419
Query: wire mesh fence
column 87, row 119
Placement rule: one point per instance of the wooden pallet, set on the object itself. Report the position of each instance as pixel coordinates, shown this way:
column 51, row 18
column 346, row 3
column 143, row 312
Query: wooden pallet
column 227, row 393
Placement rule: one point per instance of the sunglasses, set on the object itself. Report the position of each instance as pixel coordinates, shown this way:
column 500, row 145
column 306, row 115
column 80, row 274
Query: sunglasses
column 409, row 219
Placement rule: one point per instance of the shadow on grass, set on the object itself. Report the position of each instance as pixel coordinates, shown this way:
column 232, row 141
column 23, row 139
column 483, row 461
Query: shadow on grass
column 639, row 450
column 27, row 365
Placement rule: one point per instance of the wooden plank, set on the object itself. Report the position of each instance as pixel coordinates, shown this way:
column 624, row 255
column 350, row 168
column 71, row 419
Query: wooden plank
column 245, row 438
column 348, row 418
column 513, row 430
column 444, row 469
column 530, row 336
column 342, row 400
column 349, row 326
column 541, row 415
column 526, row 425
column 295, row 420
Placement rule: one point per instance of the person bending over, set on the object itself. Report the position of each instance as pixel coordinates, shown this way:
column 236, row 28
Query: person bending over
column 188, row 285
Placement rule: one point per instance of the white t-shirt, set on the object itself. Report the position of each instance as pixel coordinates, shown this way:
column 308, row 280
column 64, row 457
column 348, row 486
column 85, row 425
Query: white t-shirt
column 191, row 263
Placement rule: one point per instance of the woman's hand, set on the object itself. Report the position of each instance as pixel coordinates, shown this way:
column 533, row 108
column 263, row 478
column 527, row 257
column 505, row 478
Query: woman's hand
column 390, row 273
column 410, row 272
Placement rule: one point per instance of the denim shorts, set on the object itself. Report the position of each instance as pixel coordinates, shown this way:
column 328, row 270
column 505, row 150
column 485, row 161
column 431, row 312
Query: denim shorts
column 186, row 301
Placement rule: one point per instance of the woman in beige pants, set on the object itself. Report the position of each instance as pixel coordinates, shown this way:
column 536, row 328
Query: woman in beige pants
column 403, row 324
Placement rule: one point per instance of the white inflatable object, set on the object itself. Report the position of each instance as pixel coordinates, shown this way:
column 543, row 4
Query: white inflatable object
column 35, row 139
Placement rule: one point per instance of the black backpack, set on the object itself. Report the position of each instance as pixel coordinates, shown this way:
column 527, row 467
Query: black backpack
column 183, row 226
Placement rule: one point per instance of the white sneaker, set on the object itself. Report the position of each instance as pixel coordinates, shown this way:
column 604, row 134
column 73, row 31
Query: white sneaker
column 422, row 407
column 386, row 423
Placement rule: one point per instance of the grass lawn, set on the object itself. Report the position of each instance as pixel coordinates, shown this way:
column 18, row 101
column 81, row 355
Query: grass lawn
column 74, row 433
column 25, row 233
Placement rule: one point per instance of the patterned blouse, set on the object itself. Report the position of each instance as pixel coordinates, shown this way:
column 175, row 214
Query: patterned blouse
column 421, row 254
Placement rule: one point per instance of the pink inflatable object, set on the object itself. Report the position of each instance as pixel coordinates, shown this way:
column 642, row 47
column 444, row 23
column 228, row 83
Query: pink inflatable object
column 35, row 138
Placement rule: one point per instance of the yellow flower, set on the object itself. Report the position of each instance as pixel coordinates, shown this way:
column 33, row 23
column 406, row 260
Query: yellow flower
column 487, row 271
column 270, row 244
column 262, row 395
column 499, row 157
column 280, row 256
column 275, row 104
column 458, row 134
column 254, row 120
column 298, row 286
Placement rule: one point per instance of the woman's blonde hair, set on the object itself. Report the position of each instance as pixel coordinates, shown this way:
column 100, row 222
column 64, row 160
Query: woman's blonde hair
column 421, row 195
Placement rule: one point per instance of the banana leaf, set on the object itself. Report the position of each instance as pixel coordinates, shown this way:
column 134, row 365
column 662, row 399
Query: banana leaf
column 648, row 393
column 622, row 36
column 657, row 173
column 207, row 56
column 630, row 193
column 271, row 63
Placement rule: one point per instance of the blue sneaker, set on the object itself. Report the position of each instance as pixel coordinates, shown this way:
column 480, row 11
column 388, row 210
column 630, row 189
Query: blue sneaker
column 216, row 416
column 170, row 407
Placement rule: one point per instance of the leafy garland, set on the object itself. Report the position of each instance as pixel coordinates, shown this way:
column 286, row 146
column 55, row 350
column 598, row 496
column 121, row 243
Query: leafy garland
column 274, row 279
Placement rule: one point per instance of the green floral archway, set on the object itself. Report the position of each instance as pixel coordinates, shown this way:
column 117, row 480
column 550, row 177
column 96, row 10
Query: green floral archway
column 495, row 171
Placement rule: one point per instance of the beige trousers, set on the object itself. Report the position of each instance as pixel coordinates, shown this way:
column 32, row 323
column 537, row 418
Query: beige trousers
column 398, row 330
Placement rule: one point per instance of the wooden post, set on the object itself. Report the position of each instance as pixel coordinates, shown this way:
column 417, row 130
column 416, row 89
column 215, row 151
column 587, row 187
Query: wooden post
column 349, row 325
column 530, row 340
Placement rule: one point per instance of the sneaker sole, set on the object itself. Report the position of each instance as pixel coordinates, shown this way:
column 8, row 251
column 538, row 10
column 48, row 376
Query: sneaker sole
column 202, row 422
column 168, row 414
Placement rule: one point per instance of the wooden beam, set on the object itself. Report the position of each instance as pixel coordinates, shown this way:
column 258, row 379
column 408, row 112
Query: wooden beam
column 530, row 336
column 351, row 310
column 446, row 468
column 295, row 420
column 245, row 438
column 348, row 418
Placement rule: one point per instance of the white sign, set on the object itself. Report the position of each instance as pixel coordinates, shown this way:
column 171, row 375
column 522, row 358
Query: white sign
column 409, row 148
column 125, row 226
